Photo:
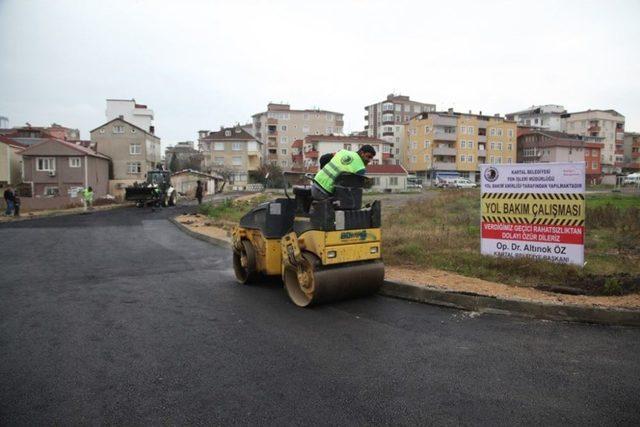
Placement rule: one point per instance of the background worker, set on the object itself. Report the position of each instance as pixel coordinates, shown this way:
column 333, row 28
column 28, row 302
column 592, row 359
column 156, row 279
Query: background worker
column 87, row 198
column 199, row 192
column 342, row 161
column 9, row 198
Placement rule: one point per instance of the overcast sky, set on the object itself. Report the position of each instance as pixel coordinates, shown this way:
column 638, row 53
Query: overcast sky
column 200, row 65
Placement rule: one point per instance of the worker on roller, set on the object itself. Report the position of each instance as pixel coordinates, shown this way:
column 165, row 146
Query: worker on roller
column 342, row 161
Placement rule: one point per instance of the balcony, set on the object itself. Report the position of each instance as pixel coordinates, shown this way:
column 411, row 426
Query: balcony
column 387, row 156
column 444, row 136
column 595, row 128
column 444, row 166
column 445, row 121
column 272, row 156
column 387, row 133
column 339, row 122
column 444, row 151
column 272, row 143
column 482, row 153
column 312, row 154
column 482, row 138
column 366, row 117
column 388, row 122
column 296, row 158
column 635, row 155
column 619, row 136
column 272, row 121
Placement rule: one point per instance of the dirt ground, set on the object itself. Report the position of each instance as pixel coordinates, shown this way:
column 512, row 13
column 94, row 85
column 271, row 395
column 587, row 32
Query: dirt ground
column 442, row 279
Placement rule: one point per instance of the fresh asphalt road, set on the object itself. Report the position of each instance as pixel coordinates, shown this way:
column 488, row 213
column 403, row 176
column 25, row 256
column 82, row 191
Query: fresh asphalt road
column 120, row 318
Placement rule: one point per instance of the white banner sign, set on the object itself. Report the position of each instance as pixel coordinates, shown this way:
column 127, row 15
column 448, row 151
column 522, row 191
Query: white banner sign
column 534, row 210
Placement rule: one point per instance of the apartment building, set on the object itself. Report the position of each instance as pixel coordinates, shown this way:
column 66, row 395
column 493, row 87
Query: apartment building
column 232, row 152
column 279, row 126
column 542, row 146
column 315, row 146
column 128, row 109
column 631, row 162
column 608, row 124
column 133, row 152
column 450, row 144
column 387, row 120
column 547, row 117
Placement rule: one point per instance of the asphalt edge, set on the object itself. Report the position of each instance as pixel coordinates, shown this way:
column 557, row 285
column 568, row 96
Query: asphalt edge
column 200, row 236
column 493, row 305
column 482, row 303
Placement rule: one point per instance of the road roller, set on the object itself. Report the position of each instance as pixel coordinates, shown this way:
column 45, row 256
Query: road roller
column 324, row 250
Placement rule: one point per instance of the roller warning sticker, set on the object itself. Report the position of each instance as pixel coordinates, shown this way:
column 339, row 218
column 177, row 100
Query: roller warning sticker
column 533, row 210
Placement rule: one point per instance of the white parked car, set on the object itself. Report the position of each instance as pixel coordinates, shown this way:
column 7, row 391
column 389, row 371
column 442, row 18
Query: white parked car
column 462, row 183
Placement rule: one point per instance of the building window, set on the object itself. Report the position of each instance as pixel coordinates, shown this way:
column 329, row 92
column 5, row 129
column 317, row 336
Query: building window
column 75, row 162
column 227, row 133
column 134, row 168
column 509, row 160
column 499, row 146
column 118, row 129
column 393, row 180
column 135, row 149
column 463, row 129
column 594, row 165
column 236, row 146
column 414, row 145
column 283, row 128
column 463, row 144
column 492, row 132
column 218, row 146
column 46, row 164
column 305, row 116
column 469, row 144
column 427, row 129
column 284, row 151
column 463, row 158
column 426, row 157
column 283, row 140
column 330, row 117
column 493, row 146
column 470, row 159
column 347, row 146
column 470, row 130
column 427, row 144
column 305, row 129
column 283, row 163
column 509, row 147
column 237, row 161
column 414, row 159
column 51, row 191
column 499, row 132
column 498, row 160
column 218, row 161
column 511, row 133
column 329, row 130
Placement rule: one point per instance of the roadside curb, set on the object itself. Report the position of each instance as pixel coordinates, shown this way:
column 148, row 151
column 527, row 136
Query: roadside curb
column 481, row 303
column 200, row 236
column 493, row 305
column 66, row 212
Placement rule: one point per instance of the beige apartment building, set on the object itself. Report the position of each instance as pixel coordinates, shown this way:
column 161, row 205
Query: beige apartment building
column 449, row 144
column 387, row 120
column 133, row 152
column 308, row 151
column 231, row 152
column 279, row 126
column 607, row 124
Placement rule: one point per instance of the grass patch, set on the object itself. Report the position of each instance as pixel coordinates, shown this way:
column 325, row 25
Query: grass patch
column 444, row 233
column 231, row 210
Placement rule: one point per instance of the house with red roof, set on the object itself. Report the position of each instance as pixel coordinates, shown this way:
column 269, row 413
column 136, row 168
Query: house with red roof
column 58, row 169
column 387, row 177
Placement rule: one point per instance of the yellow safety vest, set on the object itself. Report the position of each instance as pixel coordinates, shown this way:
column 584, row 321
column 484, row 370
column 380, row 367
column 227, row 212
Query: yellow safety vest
column 342, row 161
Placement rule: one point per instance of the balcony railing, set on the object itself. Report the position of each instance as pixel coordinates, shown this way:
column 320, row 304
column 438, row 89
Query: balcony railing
column 388, row 122
column 444, row 151
column 482, row 153
column 594, row 129
column 444, row 166
column 312, row 154
column 387, row 133
column 482, row 138
column 444, row 136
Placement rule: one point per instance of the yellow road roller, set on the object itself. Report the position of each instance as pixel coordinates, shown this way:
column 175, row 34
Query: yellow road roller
column 324, row 250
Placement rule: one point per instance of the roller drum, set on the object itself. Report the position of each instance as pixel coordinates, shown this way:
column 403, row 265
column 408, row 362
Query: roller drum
column 335, row 283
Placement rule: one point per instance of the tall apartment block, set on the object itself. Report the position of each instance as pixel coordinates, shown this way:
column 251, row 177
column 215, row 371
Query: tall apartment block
column 450, row 144
column 131, row 112
column 279, row 126
column 547, row 117
column 387, row 120
column 631, row 152
column 608, row 124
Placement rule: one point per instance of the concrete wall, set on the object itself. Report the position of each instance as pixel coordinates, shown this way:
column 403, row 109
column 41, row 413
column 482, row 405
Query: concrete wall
column 10, row 165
